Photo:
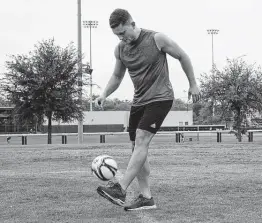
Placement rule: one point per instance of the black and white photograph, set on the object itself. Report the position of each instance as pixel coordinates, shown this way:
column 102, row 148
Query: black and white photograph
column 130, row 111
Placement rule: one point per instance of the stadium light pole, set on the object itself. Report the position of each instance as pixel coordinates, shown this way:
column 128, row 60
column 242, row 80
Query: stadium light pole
column 213, row 32
column 80, row 82
column 90, row 24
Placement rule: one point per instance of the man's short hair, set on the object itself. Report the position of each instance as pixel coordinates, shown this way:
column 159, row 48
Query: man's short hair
column 119, row 16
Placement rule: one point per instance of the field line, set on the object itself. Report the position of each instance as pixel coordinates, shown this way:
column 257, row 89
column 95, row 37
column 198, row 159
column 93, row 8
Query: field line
column 11, row 173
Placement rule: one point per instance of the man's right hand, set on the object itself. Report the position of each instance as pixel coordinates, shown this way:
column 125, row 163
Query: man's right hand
column 100, row 101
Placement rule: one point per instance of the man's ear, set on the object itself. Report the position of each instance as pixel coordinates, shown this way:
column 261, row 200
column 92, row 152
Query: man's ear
column 133, row 24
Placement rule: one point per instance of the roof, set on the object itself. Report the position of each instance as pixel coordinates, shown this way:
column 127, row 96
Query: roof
column 6, row 108
column 4, row 116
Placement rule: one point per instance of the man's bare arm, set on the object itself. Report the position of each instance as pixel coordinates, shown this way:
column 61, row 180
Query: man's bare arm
column 170, row 47
column 117, row 76
column 167, row 45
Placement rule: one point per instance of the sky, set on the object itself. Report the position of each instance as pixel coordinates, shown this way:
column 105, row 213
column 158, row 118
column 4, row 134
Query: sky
column 23, row 23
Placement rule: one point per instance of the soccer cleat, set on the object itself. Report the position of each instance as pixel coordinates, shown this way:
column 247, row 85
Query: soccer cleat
column 113, row 192
column 141, row 203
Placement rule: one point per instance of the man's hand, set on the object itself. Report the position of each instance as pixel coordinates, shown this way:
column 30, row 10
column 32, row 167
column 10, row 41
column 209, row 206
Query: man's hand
column 194, row 92
column 100, row 101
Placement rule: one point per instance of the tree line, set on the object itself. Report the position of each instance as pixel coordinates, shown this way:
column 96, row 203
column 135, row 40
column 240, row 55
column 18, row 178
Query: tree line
column 44, row 83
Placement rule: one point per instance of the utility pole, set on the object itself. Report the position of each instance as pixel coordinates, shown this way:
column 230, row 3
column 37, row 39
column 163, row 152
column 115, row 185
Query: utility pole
column 80, row 81
column 90, row 24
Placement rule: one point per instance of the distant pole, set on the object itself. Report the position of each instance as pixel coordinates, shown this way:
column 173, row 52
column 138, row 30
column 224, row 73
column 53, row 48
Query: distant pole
column 79, row 35
column 186, row 99
column 90, row 24
column 213, row 32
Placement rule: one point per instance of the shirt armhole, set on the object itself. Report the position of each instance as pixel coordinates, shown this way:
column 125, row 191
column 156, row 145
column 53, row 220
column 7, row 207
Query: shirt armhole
column 117, row 52
column 156, row 43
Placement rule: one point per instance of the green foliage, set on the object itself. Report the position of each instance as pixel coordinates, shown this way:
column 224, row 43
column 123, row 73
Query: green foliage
column 180, row 105
column 235, row 91
column 4, row 102
column 125, row 105
column 44, row 83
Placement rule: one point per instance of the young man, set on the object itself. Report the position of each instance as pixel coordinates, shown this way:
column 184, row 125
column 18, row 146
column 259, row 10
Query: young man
column 143, row 53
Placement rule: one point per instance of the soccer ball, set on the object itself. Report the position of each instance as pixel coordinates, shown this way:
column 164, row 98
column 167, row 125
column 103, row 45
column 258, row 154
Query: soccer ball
column 104, row 167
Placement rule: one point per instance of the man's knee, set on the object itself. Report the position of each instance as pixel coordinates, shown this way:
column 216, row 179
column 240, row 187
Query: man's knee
column 143, row 138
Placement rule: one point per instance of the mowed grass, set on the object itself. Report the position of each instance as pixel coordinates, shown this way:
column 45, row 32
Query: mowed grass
column 191, row 182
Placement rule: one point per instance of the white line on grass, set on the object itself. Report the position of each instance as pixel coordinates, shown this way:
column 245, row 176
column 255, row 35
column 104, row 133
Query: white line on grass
column 11, row 173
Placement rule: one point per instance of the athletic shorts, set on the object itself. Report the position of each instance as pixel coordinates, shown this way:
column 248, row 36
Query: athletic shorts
column 148, row 117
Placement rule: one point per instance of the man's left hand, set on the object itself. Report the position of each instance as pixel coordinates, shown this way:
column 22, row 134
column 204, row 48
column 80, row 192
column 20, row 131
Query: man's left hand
column 194, row 92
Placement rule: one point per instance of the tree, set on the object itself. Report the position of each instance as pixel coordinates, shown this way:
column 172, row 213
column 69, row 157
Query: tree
column 44, row 83
column 203, row 114
column 236, row 91
column 117, row 105
column 4, row 102
column 180, row 105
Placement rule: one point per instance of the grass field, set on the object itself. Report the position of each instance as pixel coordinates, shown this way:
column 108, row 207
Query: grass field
column 191, row 182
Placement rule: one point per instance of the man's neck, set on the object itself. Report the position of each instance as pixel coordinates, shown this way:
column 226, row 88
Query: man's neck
column 137, row 33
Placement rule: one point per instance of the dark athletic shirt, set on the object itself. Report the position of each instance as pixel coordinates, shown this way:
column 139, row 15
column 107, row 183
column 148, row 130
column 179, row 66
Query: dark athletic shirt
column 148, row 69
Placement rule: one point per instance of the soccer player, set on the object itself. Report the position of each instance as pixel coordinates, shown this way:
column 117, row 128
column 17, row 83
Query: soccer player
column 143, row 53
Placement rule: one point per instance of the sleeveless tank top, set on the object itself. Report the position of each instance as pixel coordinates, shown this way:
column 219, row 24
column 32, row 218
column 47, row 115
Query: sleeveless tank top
column 148, row 69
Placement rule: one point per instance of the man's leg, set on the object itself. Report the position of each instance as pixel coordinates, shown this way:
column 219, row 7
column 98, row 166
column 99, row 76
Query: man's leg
column 138, row 158
column 116, row 193
column 153, row 117
column 145, row 199
column 143, row 180
column 143, row 177
column 148, row 120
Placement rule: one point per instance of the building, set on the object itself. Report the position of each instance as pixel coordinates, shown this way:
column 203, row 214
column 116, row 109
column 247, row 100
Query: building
column 117, row 121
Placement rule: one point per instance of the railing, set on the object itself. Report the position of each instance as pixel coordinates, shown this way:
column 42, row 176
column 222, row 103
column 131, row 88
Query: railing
column 63, row 135
column 179, row 135
column 251, row 134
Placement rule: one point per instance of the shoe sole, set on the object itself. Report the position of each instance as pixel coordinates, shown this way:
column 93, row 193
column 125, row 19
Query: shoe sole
column 141, row 208
column 111, row 199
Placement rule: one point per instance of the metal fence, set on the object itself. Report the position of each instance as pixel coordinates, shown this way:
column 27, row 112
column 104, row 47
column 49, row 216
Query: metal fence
column 224, row 136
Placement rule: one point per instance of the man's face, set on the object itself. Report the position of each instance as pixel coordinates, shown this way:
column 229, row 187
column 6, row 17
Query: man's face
column 125, row 32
